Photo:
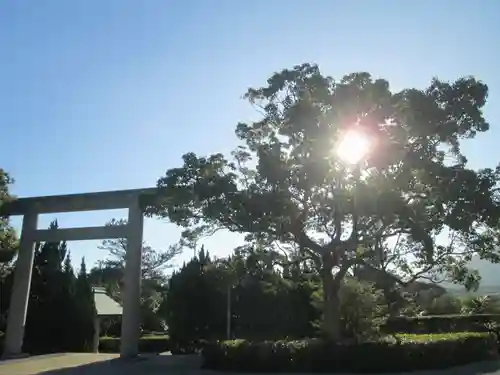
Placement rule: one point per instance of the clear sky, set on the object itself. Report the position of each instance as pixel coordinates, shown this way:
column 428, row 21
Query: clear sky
column 108, row 94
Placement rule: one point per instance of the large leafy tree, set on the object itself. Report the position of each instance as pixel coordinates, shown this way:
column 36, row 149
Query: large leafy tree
column 286, row 184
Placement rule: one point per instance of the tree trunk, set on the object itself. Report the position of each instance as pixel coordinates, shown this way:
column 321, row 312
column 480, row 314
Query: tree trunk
column 394, row 302
column 331, row 308
column 228, row 313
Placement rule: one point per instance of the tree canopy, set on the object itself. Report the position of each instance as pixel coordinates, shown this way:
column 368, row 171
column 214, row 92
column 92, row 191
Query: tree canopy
column 287, row 184
column 8, row 240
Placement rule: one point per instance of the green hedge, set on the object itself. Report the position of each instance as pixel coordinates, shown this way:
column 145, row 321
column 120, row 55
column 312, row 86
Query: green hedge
column 407, row 353
column 147, row 344
column 187, row 346
column 441, row 323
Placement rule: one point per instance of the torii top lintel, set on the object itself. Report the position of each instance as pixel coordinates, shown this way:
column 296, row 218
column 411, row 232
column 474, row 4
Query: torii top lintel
column 104, row 200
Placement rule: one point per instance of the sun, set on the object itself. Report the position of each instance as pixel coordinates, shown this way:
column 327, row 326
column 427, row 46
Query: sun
column 353, row 146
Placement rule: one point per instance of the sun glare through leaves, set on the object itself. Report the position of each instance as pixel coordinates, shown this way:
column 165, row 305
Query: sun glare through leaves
column 353, row 146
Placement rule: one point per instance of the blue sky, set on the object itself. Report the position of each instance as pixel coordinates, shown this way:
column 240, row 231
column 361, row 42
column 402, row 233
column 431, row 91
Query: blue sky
column 107, row 95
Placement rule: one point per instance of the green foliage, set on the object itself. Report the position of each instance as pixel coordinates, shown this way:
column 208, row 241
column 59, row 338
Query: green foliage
column 195, row 304
column 60, row 309
column 147, row 344
column 426, row 337
column 8, row 240
column 287, row 185
column 441, row 323
column 83, row 315
column 444, row 305
column 109, row 274
column 263, row 303
column 361, row 308
column 480, row 305
column 409, row 353
column 154, row 262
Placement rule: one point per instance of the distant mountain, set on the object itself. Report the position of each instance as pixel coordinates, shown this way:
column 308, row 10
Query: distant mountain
column 483, row 290
column 490, row 279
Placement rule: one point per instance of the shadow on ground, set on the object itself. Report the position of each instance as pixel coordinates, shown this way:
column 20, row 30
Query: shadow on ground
column 74, row 364
column 182, row 365
column 480, row 368
column 173, row 365
column 109, row 367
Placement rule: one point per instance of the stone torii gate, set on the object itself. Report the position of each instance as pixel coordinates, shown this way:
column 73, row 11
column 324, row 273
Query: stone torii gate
column 30, row 208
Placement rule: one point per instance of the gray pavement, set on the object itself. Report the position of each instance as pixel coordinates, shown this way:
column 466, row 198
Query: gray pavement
column 110, row 364
column 99, row 364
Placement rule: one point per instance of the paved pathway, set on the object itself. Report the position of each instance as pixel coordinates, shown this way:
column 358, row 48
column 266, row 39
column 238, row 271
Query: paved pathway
column 109, row 364
column 100, row 364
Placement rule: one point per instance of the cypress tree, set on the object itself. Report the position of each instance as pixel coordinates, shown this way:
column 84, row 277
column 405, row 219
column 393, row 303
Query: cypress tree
column 84, row 315
column 46, row 327
column 61, row 306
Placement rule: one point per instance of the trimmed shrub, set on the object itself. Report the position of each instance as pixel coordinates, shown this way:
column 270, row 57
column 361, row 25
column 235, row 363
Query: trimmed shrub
column 404, row 353
column 147, row 344
column 441, row 323
column 187, row 347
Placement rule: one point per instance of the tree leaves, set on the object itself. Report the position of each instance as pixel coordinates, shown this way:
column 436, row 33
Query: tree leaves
column 286, row 184
column 154, row 262
column 8, row 238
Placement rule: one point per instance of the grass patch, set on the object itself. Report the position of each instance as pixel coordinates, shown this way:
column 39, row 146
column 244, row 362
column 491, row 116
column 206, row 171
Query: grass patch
column 428, row 337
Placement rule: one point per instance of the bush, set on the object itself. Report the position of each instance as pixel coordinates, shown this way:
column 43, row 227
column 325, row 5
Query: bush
column 441, row 323
column 407, row 353
column 147, row 344
column 480, row 305
column 187, row 347
column 444, row 305
column 361, row 309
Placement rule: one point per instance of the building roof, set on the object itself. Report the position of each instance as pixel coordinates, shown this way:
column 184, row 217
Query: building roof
column 104, row 304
